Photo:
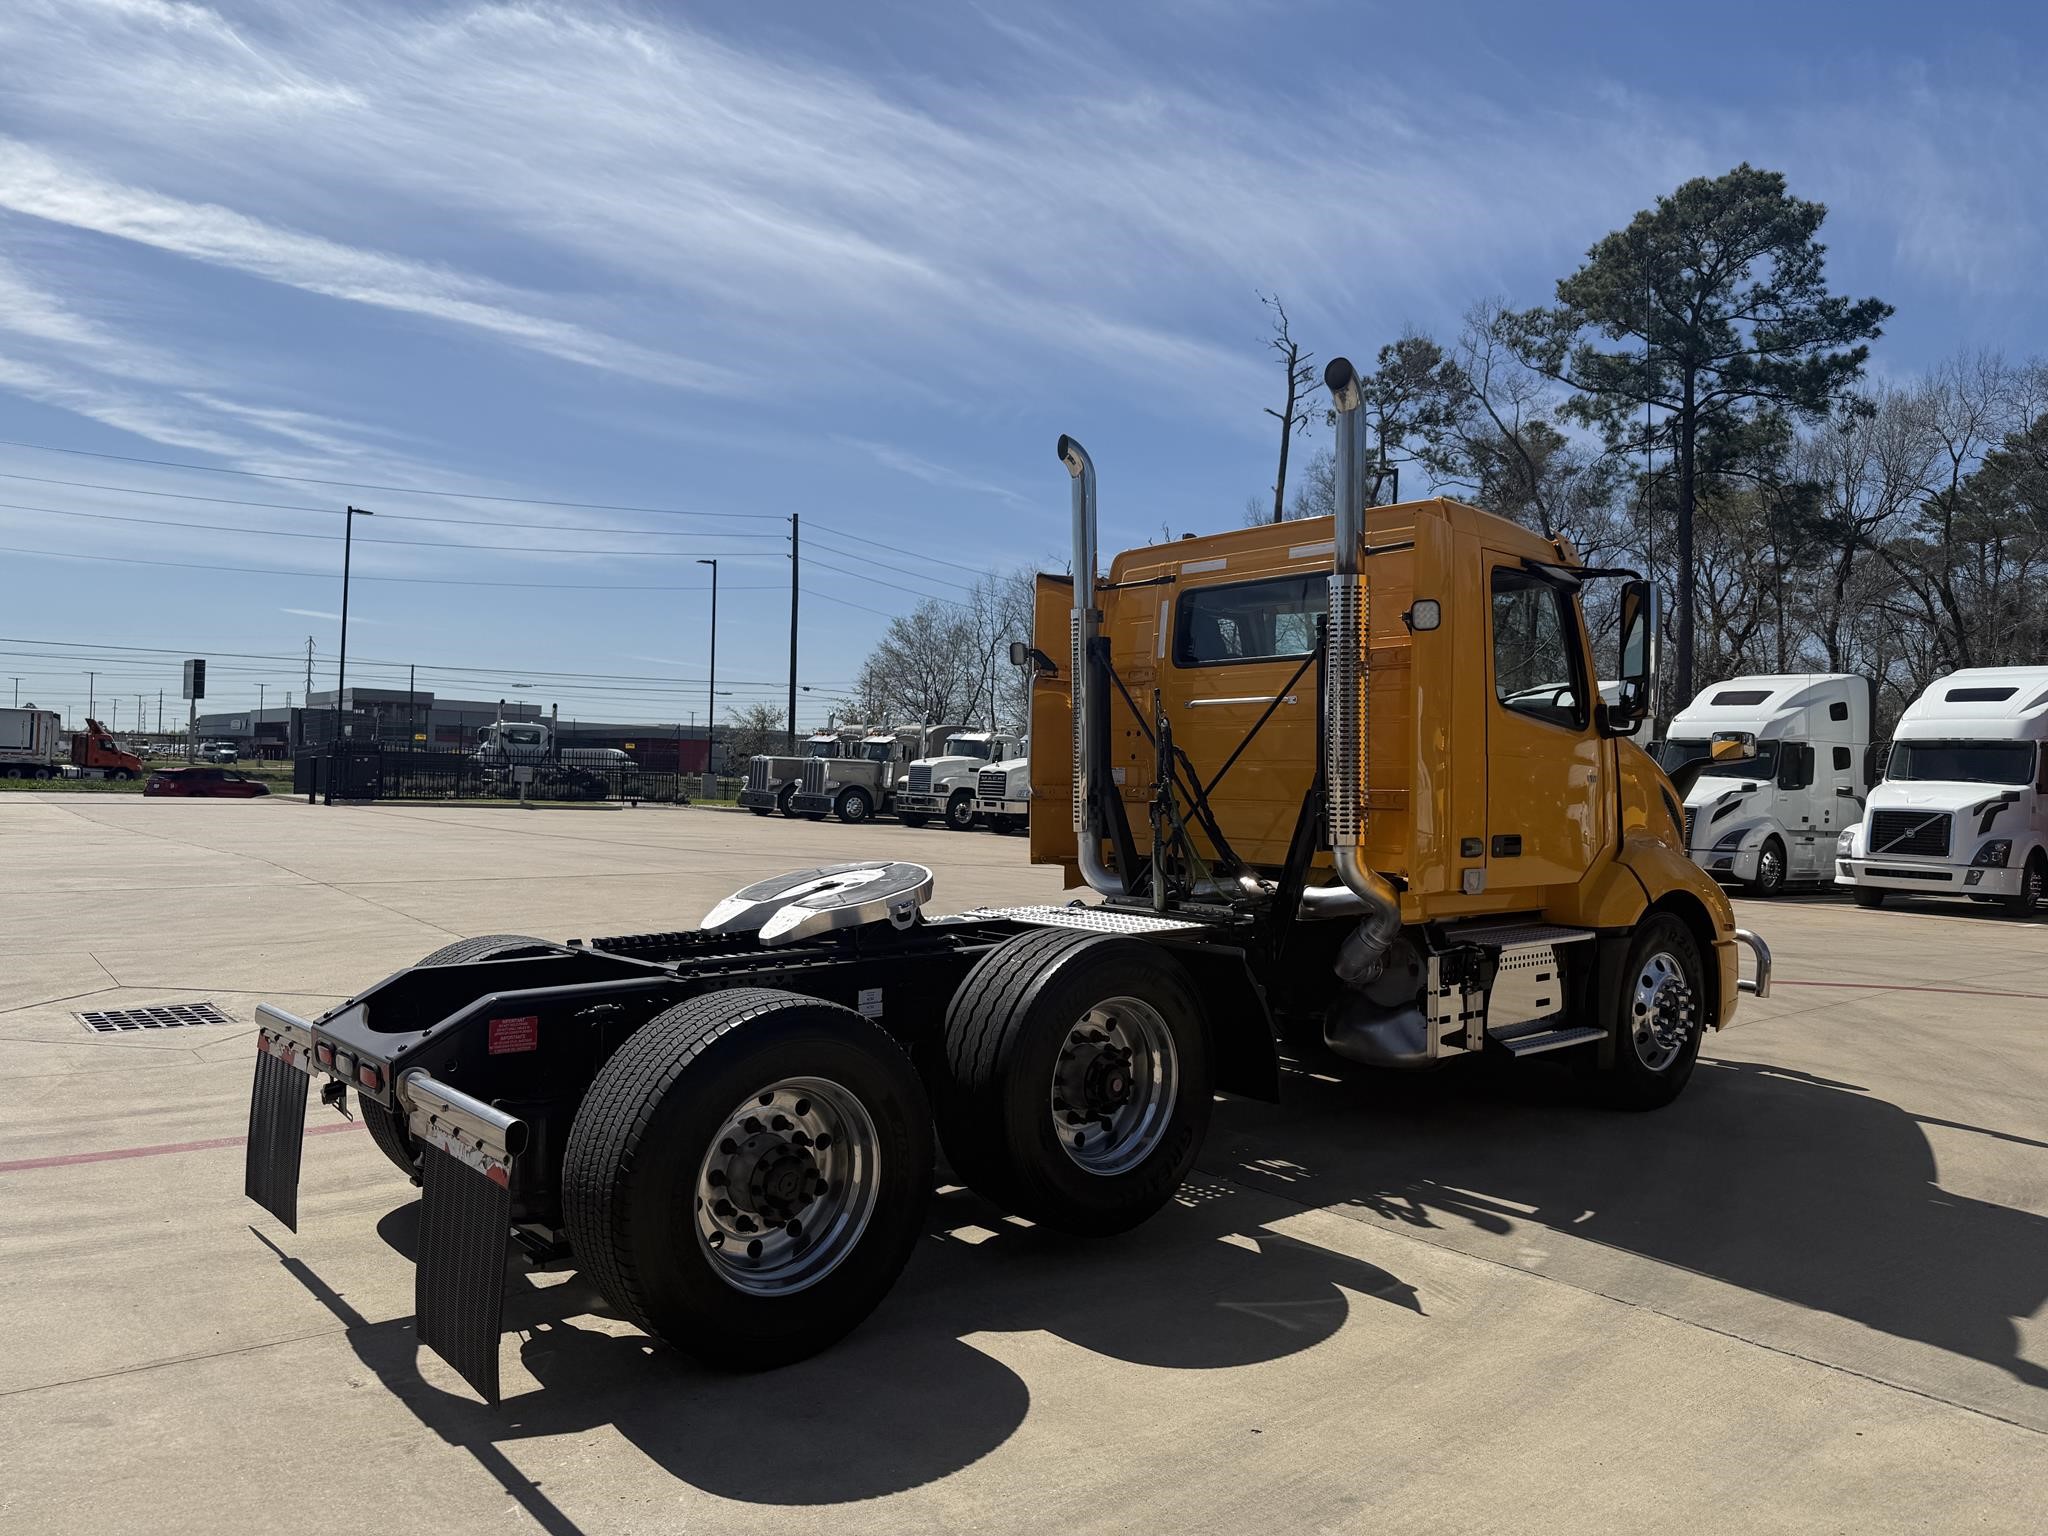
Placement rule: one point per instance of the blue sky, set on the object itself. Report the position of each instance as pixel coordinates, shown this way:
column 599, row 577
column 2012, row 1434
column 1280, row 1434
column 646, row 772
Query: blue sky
column 861, row 262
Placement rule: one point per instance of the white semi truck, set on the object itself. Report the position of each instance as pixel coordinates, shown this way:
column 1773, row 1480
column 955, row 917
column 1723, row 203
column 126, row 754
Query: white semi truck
column 944, row 784
column 1002, row 792
column 1963, row 809
column 1776, row 817
column 864, row 782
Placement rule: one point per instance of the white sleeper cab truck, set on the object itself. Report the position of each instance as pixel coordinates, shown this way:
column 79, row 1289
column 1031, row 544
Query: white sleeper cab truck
column 1002, row 792
column 944, row 785
column 1963, row 809
column 1777, row 816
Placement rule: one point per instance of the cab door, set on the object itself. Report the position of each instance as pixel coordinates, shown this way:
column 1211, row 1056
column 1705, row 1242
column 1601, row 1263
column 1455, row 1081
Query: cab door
column 1544, row 794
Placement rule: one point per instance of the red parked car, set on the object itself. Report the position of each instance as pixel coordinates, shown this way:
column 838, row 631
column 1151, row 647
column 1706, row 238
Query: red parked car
column 220, row 783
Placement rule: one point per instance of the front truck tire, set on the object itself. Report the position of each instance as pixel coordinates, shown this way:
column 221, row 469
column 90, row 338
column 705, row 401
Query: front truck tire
column 1770, row 869
column 748, row 1173
column 1077, row 1079
column 1658, row 1013
column 960, row 813
column 2027, row 900
column 911, row 818
column 388, row 1130
column 1868, row 896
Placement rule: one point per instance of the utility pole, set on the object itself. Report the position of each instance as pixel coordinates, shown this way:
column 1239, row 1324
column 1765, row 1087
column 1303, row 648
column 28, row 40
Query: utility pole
column 159, row 711
column 17, row 693
column 711, row 683
column 794, row 592
column 412, row 725
column 349, row 516
column 256, row 735
column 91, row 702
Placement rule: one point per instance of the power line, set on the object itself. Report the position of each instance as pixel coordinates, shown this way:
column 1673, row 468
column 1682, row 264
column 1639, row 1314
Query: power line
column 878, row 582
column 943, row 581
column 422, row 581
column 402, row 490
column 916, row 554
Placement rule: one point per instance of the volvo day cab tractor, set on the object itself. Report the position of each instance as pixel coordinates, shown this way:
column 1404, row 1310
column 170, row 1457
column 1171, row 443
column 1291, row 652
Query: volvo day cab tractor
column 867, row 781
column 772, row 781
column 1963, row 809
column 1286, row 766
column 1002, row 791
column 944, row 784
column 1776, row 817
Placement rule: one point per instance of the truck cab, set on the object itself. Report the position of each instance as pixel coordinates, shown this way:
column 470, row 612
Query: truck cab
column 944, row 783
column 513, row 741
column 1002, row 791
column 773, row 779
column 1776, row 817
column 863, row 781
column 96, row 755
column 1963, row 808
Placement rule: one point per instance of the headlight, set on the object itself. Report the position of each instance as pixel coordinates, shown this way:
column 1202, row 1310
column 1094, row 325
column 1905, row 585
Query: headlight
column 1845, row 845
column 1993, row 854
column 1729, row 840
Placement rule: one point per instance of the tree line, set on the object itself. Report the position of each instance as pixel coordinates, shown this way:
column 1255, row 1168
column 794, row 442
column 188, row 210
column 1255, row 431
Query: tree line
column 1696, row 404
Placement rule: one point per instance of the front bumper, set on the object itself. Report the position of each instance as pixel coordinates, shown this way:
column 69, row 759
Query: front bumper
column 1002, row 807
column 807, row 804
column 757, row 799
column 1929, row 879
column 922, row 805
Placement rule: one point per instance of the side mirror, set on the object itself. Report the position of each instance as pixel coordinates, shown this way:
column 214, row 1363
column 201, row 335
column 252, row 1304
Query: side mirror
column 1732, row 747
column 1019, row 653
column 1642, row 628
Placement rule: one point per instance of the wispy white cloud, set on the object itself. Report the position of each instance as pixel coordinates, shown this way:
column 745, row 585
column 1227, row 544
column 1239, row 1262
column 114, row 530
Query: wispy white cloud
column 905, row 462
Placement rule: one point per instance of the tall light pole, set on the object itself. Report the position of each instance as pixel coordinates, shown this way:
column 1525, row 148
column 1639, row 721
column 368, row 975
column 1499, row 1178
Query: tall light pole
column 256, row 735
column 711, row 682
column 91, row 703
column 17, row 692
column 347, row 547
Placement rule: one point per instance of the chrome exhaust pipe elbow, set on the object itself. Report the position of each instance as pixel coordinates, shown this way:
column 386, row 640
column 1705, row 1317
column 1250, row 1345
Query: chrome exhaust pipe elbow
column 1087, row 706
column 1361, row 890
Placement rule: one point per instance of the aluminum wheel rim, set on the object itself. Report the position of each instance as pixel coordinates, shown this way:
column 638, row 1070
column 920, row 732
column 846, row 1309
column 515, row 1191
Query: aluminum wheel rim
column 1114, row 1086
column 1770, row 866
column 787, row 1186
column 1661, row 1011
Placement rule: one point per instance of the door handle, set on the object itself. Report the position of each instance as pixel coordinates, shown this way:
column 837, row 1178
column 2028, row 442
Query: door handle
column 1250, row 698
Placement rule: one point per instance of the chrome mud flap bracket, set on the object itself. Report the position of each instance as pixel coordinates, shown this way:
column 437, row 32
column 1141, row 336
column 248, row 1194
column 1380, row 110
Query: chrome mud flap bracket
column 1760, row 984
column 277, row 1113
column 467, row 1149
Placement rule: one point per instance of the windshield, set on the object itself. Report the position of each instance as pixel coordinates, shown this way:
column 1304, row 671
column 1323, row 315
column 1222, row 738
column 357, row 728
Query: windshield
column 878, row 751
column 822, row 749
column 965, row 746
column 1966, row 762
column 1678, row 751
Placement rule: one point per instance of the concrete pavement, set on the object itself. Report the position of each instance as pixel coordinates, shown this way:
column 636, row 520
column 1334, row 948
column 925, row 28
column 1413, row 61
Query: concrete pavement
column 1806, row 1297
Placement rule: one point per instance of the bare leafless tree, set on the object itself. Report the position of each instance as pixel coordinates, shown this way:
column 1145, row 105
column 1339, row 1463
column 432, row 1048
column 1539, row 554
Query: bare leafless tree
column 1302, row 384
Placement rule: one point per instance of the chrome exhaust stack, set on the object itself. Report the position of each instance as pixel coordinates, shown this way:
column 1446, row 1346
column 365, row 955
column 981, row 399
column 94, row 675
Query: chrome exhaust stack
column 1088, row 704
column 1363, row 890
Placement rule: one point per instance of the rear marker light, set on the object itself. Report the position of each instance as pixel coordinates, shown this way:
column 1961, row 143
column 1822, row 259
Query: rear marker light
column 345, row 1064
column 370, row 1077
column 324, row 1054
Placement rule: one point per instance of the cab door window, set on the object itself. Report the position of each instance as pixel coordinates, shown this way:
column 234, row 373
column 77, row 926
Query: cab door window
column 1537, row 670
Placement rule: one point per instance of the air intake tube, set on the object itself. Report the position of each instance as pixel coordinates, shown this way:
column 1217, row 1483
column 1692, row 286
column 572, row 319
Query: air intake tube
column 1088, row 703
column 1344, row 706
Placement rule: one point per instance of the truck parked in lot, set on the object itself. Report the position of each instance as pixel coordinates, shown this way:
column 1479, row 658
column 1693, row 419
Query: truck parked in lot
column 1776, row 817
column 1002, row 792
column 943, row 784
column 772, row 780
column 730, row 1129
column 35, row 745
column 1963, row 809
column 869, row 780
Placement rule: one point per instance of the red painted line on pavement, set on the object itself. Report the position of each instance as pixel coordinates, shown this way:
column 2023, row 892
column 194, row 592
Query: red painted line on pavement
column 1887, row 986
column 72, row 1159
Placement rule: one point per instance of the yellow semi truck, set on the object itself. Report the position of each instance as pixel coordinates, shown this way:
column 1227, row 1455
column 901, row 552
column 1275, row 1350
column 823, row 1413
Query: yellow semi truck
column 1351, row 777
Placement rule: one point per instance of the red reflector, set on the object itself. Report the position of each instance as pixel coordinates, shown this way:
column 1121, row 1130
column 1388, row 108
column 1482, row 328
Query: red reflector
column 508, row 1035
column 325, row 1052
column 369, row 1076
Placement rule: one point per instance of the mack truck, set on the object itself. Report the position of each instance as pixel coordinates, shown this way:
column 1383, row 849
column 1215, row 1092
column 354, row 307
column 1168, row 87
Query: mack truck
column 1775, row 819
column 35, row 745
column 772, row 781
column 868, row 780
column 945, row 784
column 1002, row 790
column 1963, row 808
column 1295, row 794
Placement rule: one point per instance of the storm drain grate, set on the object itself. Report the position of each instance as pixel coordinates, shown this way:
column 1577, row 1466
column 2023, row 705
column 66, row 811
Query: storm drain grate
column 114, row 1021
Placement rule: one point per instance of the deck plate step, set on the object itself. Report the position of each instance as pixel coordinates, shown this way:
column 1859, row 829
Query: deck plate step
column 1550, row 1039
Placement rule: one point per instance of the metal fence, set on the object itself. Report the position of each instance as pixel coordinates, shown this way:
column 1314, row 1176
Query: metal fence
column 351, row 771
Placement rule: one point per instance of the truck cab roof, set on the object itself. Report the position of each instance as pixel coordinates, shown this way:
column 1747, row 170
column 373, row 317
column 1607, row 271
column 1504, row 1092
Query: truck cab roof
column 1772, row 705
column 1980, row 703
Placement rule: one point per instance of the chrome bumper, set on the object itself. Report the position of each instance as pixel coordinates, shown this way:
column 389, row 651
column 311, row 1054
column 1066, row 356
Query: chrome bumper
column 1760, row 985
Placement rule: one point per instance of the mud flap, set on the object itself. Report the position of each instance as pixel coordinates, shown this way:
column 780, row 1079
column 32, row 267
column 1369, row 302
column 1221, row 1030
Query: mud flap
column 459, row 1285
column 277, row 1129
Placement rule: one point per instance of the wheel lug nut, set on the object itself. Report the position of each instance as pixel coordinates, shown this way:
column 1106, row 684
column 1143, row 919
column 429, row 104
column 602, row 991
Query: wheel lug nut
column 779, row 1123
column 715, row 1178
column 722, row 1207
column 754, row 1249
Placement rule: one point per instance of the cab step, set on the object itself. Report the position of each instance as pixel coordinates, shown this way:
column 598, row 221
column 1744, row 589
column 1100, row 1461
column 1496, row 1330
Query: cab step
column 1538, row 1041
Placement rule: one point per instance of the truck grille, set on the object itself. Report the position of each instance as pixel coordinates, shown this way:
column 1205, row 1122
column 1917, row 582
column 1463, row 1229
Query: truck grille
column 1691, row 816
column 992, row 784
column 921, row 779
column 1913, row 832
column 814, row 775
column 757, row 773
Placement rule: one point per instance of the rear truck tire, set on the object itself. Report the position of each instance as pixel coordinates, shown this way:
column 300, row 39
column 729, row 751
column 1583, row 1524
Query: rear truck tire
column 1868, row 897
column 2027, row 900
column 748, row 1174
column 1770, row 869
column 960, row 815
column 911, row 818
column 782, row 798
column 854, row 806
column 1077, row 1076
column 387, row 1129
column 1660, row 1015
column 761, row 810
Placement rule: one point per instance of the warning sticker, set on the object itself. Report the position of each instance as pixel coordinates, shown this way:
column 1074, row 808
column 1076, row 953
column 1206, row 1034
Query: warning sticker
column 521, row 1034
column 871, row 1002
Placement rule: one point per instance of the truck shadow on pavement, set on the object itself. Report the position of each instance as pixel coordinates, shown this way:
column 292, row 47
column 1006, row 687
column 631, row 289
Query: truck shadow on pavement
column 1787, row 1185
column 905, row 1400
